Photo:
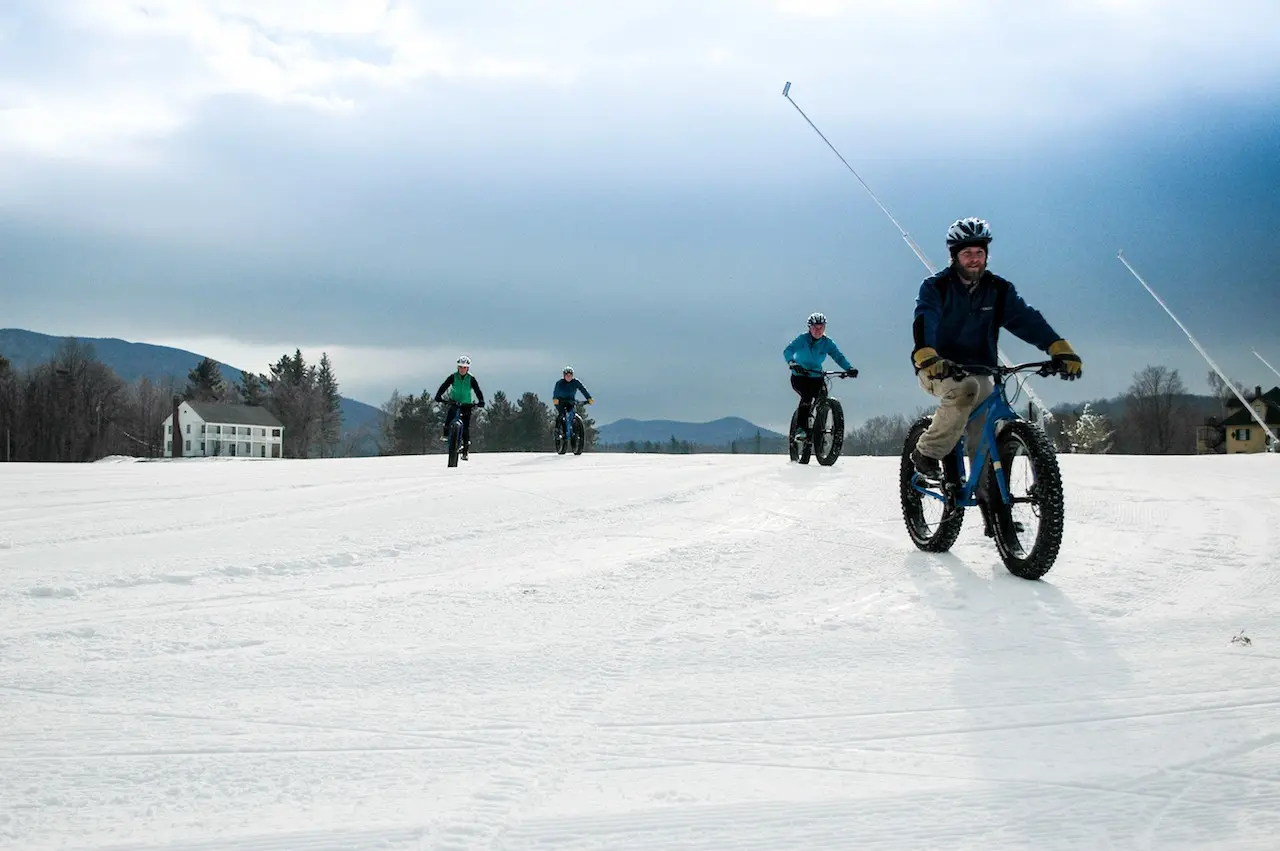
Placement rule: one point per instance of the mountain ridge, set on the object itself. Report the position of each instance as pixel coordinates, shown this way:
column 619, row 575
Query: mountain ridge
column 719, row 432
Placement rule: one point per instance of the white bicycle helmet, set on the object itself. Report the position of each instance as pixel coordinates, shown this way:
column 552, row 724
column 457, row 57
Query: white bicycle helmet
column 464, row 361
column 568, row 369
column 966, row 232
column 816, row 318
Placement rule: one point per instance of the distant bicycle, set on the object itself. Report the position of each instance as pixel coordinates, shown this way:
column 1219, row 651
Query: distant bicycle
column 824, row 427
column 571, row 432
column 456, row 447
column 1010, row 450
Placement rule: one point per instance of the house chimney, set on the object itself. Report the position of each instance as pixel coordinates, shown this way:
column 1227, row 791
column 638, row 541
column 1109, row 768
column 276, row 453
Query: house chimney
column 177, row 432
column 1257, row 391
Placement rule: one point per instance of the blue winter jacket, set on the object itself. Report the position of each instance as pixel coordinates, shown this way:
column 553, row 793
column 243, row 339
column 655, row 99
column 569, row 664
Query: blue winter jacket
column 569, row 390
column 811, row 353
column 963, row 326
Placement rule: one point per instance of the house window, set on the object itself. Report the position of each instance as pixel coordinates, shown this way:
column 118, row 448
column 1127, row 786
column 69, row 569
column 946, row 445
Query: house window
column 188, row 428
column 188, row 448
column 275, row 450
column 1241, row 434
column 202, row 447
column 262, row 451
column 275, row 432
column 169, row 428
column 231, row 449
column 168, row 446
column 202, row 428
column 247, row 450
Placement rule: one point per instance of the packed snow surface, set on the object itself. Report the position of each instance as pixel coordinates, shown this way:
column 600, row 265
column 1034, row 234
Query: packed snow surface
column 629, row 652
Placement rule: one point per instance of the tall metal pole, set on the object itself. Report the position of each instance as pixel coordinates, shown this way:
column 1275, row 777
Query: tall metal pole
column 1264, row 360
column 1203, row 353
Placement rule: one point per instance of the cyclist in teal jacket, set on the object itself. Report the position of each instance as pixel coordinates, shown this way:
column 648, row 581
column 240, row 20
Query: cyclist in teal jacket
column 805, row 355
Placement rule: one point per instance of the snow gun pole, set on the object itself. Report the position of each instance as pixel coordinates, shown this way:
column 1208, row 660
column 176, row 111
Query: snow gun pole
column 1227, row 381
column 1264, row 360
column 933, row 270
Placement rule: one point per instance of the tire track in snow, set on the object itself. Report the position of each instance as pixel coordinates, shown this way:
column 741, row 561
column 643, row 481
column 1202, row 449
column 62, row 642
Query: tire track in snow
column 387, row 839
column 374, row 556
column 565, row 732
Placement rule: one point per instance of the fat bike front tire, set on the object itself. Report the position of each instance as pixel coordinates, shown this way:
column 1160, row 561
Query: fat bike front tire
column 828, row 415
column 1034, row 558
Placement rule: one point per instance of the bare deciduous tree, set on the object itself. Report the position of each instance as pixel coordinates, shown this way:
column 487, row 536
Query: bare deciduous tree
column 880, row 435
column 1222, row 391
column 1155, row 410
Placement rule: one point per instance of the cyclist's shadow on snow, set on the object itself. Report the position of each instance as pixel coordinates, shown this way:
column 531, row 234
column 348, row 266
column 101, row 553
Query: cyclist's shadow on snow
column 1033, row 671
column 997, row 612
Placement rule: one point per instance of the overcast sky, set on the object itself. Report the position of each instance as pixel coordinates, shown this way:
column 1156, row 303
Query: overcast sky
column 621, row 185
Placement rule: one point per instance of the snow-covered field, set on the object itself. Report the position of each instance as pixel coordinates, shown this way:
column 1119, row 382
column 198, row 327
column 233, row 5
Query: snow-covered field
column 621, row 652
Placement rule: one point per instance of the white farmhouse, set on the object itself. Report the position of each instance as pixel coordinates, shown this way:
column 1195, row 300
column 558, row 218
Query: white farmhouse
column 209, row 429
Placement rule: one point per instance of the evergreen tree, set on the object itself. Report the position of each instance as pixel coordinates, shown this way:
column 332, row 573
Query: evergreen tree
column 252, row 389
column 415, row 427
column 205, row 383
column 387, row 423
column 589, row 426
column 295, row 401
column 330, row 415
column 499, row 424
column 534, row 422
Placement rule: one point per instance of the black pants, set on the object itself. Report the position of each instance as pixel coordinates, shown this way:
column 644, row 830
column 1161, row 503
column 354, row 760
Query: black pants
column 810, row 388
column 466, row 421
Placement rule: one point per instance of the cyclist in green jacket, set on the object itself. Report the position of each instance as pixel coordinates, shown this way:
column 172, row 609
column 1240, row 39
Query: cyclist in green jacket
column 464, row 394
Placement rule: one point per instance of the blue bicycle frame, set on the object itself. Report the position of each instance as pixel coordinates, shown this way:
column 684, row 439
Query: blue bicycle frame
column 570, row 410
column 996, row 409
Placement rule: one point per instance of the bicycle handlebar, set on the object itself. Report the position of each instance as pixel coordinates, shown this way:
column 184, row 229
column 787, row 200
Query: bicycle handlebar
column 800, row 370
column 1045, row 368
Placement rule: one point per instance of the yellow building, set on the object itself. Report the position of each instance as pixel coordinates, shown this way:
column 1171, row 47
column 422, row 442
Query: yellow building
column 1239, row 431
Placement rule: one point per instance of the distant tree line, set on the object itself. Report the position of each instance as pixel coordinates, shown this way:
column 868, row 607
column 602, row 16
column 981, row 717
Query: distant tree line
column 1157, row 415
column 414, row 425
column 74, row 408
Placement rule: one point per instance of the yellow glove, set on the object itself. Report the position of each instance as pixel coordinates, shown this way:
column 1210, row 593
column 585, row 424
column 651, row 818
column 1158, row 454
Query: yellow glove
column 1066, row 360
column 927, row 361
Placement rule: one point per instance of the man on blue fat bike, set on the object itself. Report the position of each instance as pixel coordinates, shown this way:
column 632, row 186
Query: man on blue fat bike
column 564, row 394
column 958, row 316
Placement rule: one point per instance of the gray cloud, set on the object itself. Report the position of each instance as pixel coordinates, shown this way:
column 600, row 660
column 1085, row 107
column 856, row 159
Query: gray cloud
column 621, row 186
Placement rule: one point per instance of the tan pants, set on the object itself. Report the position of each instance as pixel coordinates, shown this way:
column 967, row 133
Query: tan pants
column 959, row 398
